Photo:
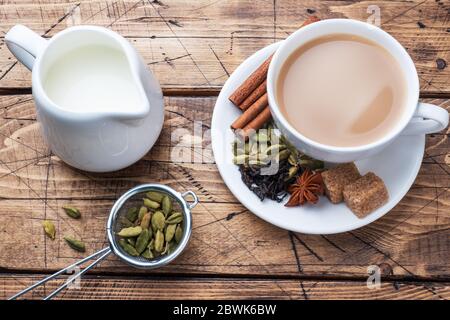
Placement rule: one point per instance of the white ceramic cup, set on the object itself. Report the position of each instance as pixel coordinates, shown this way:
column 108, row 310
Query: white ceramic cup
column 93, row 140
column 418, row 118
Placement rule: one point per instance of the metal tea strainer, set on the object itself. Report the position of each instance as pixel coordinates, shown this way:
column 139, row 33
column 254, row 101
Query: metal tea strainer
column 131, row 198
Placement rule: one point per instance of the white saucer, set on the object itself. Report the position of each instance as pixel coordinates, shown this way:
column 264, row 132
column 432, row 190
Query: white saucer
column 397, row 165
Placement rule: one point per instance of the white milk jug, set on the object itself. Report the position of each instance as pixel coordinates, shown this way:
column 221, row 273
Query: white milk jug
column 99, row 107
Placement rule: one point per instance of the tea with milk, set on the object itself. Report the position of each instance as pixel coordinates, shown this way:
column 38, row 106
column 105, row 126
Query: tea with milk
column 342, row 90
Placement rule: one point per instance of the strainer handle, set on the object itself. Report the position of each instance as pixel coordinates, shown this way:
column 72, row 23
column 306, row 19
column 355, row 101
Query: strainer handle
column 102, row 253
column 193, row 195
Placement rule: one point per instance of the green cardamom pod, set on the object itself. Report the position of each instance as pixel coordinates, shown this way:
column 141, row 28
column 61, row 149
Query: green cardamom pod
column 170, row 232
column 282, row 155
column 150, row 232
column 290, row 147
column 130, row 232
column 151, row 244
column 259, row 156
column 128, row 248
column 172, row 246
column 159, row 241
column 166, row 248
column 131, row 241
column 240, row 159
column 257, row 163
column 151, row 204
column 166, row 205
column 175, row 218
column 49, row 229
column 142, row 241
column 75, row 244
column 178, row 233
column 145, row 222
column 312, row 164
column 292, row 160
column 155, row 196
column 125, row 222
column 142, row 211
column 275, row 149
column 132, row 214
column 147, row 254
column 292, row 172
column 158, row 221
column 72, row 212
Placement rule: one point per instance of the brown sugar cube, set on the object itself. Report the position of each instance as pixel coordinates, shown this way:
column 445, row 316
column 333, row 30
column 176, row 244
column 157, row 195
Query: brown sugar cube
column 335, row 179
column 365, row 194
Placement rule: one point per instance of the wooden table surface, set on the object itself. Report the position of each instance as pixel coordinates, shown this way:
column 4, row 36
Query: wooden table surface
column 192, row 47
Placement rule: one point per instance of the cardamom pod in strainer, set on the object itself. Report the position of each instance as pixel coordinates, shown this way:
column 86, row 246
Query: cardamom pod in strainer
column 153, row 230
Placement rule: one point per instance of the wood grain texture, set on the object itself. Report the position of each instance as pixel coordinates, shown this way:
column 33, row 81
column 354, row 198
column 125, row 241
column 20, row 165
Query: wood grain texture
column 206, row 288
column 410, row 242
column 197, row 44
column 192, row 47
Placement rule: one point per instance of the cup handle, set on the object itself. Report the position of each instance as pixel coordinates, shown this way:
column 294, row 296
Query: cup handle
column 427, row 119
column 25, row 44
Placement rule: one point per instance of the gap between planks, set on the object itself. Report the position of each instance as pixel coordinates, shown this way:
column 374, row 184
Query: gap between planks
column 194, row 92
column 224, row 276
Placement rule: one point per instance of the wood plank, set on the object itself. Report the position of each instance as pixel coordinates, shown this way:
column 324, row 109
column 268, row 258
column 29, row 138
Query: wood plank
column 197, row 44
column 206, row 288
column 412, row 241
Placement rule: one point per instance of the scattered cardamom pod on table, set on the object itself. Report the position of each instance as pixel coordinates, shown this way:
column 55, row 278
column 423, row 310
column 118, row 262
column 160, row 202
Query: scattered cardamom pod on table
column 75, row 244
column 72, row 212
column 49, row 229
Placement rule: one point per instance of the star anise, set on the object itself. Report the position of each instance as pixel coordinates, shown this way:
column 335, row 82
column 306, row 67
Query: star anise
column 307, row 188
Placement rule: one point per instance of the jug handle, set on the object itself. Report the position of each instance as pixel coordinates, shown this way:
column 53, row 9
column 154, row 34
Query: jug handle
column 25, row 44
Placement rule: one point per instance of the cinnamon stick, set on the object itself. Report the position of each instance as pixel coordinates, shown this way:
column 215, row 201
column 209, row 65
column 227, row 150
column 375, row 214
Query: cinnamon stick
column 250, row 113
column 251, row 83
column 251, row 97
column 256, row 123
column 255, row 95
column 254, row 81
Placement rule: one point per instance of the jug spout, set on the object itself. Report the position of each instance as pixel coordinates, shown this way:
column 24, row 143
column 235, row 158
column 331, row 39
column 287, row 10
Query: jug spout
column 133, row 93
